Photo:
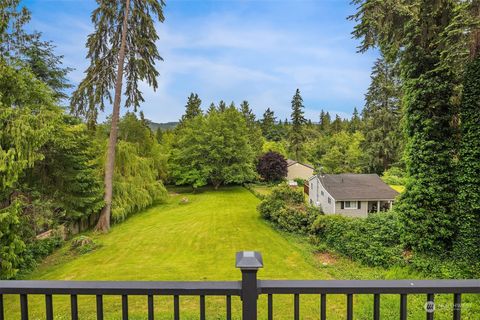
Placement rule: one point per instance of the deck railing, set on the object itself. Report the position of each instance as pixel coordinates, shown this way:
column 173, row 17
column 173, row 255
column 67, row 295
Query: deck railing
column 248, row 289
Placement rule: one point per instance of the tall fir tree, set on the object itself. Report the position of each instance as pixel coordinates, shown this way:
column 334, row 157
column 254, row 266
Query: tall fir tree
column 355, row 123
column 247, row 112
column 192, row 108
column 381, row 117
column 112, row 53
column 325, row 122
column 297, row 134
column 268, row 125
column 222, row 106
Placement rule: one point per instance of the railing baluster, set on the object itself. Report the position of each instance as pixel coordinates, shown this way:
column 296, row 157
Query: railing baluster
column 430, row 298
column 296, row 308
column 457, row 306
column 229, row 307
column 270, row 307
column 176, row 307
column 74, row 306
column 99, row 307
column 323, row 306
column 49, row 306
column 150, row 308
column 349, row 306
column 202, row 307
column 24, row 306
column 403, row 307
column 376, row 306
column 2, row 314
column 124, row 307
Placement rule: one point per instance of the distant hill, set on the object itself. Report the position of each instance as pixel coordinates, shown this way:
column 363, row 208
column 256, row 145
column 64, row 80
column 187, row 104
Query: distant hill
column 164, row 126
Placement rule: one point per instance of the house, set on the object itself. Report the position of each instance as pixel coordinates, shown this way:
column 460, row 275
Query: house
column 353, row 195
column 297, row 170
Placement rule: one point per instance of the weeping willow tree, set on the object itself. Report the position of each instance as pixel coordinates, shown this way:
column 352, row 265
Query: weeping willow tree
column 139, row 167
column 122, row 46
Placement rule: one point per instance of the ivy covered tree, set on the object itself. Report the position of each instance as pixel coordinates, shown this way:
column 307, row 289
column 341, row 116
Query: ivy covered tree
column 382, row 117
column 192, row 109
column 123, row 43
column 297, row 133
column 467, row 245
column 272, row 166
column 413, row 35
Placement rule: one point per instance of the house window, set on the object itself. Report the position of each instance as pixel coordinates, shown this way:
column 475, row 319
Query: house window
column 351, row 204
column 322, row 192
column 329, row 200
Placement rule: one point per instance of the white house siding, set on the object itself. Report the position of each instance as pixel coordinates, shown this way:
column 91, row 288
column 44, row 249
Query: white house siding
column 316, row 198
column 298, row 170
column 362, row 212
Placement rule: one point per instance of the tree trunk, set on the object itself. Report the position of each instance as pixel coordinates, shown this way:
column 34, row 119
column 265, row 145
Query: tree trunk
column 103, row 223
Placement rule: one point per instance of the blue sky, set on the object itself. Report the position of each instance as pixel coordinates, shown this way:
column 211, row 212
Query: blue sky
column 234, row 50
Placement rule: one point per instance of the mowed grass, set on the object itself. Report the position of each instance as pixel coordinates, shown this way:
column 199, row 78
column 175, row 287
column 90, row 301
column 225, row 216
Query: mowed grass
column 198, row 240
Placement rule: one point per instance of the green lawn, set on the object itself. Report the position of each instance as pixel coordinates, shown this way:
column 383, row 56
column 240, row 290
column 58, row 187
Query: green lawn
column 198, row 241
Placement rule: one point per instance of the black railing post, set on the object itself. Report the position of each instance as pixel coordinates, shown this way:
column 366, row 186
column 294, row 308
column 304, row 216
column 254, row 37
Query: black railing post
column 249, row 262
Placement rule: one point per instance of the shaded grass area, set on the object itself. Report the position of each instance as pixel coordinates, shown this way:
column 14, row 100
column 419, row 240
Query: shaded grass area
column 197, row 240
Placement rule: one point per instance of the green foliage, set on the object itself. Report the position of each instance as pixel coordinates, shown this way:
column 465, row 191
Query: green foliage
column 11, row 243
column 94, row 91
column 68, row 175
column 342, row 153
column 37, row 250
column 192, row 109
column 138, row 167
column 414, row 34
column 213, row 149
column 381, row 118
column 297, row 135
column 395, row 176
column 467, row 246
column 374, row 240
column 286, row 208
column 28, row 117
column 270, row 129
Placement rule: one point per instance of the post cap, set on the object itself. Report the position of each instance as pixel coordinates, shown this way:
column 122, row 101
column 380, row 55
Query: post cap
column 249, row 260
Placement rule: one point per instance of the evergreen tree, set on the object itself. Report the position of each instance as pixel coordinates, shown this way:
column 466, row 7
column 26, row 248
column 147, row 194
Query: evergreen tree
column 325, row 122
column 222, row 106
column 13, row 38
column 247, row 113
column 192, row 109
column 111, row 52
column 337, row 124
column 268, row 126
column 355, row 122
column 381, row 118
column 212, row 108
column 297, row 132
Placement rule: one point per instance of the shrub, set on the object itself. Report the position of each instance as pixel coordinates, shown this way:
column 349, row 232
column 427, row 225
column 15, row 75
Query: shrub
column 394, row 176
column 37, row 250
column 286, row 208
column 272, row 166
column 374, row 241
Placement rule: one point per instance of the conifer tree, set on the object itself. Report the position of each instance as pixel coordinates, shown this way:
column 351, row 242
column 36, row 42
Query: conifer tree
column 112, row 54
column 267, row 124
column 247, row 113
column 222, row 106
column 192, row 109
column 381, row 118
column 212, row 108
column 325, row 122
column 297, row 131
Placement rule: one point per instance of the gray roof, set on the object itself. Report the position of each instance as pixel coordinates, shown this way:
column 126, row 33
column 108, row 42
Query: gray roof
column 350, row 186
column 292, row 162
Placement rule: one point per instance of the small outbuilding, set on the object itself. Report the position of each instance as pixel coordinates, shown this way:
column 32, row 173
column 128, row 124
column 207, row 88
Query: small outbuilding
column 353, row 195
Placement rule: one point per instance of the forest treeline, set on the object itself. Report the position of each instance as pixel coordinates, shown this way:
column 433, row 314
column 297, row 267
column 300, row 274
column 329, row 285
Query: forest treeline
column 419, row 126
